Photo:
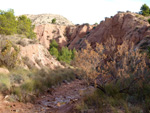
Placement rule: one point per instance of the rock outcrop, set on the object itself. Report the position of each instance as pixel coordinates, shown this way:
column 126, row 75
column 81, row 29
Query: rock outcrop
column 75, row 34
column 37, row 56
column 64, row 35
column 123, row 26
column 47, row 19
column 4, row 71
column 32, row 54
column 46, row 33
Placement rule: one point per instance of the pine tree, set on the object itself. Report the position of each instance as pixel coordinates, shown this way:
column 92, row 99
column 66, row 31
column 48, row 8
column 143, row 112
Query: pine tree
column 145, row 10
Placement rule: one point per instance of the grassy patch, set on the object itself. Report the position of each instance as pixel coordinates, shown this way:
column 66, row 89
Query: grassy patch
column 25, row 85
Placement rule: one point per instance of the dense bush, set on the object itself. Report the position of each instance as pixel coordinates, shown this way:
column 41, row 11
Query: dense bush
column 54, row 44
column 54, row 51
column 24, row 26
column 54, row 21
column 9, row 24
column 116, row 71
column 8, row 54
column 64, row 54
column 145, row 10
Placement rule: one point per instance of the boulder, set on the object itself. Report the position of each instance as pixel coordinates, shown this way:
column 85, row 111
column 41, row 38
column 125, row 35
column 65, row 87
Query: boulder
column 4, row 71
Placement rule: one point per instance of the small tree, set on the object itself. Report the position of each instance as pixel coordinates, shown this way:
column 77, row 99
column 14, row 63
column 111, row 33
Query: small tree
column 8, row 24
column 54, row 21
column 65, row 55
column 145, row 10
column 54, row 44
column 54, row 52
column 54, row 48
column 24, row 26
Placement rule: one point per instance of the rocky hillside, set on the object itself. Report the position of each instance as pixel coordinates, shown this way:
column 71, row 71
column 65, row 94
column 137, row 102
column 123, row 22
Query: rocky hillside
column 32, row 54
column 130, row 26
column 47, row 19
column 122, row 26
column 47, row 32
column 64, row 35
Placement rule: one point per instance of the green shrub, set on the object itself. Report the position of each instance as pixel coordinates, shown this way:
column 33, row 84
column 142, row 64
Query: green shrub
column 54, row 21
column 10, row 25
column 24, row 26
column 54, row 51
column 54, row 44
column 9, row 54
column 145, row 10
column 4, row 84
column 64, row 54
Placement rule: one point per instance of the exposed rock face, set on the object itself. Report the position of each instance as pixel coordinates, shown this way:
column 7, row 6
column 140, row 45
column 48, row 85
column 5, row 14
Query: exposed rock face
column 130, row 26
column 36, row 56
column 48, row 32
column 77, row 33
column 47, row 19
column 143, row 44
column 4, row 71
column 33, row 54
column 64, row 35
column 122, row 26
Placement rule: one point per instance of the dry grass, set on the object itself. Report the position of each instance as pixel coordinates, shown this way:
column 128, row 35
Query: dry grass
column 23, row 85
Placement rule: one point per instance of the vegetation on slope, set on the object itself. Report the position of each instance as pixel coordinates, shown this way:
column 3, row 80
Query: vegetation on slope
column 120, row 73
column 9, row 24
column 24, row 85
column 9, row 54
column 64, row 54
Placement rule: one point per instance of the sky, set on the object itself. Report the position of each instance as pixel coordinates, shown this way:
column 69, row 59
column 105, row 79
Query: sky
column 77, row 11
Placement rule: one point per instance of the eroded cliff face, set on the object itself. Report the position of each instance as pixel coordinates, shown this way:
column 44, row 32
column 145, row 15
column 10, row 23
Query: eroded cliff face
column 76, row 34
column 64, row 35
column 37, row 56
column 47, row 32
column 31, row 54
column 123, row 26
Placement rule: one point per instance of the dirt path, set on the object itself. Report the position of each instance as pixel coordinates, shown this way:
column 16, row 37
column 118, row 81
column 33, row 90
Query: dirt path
column 57, row 100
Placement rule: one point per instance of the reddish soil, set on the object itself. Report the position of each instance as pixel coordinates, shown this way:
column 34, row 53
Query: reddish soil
column 58, row 100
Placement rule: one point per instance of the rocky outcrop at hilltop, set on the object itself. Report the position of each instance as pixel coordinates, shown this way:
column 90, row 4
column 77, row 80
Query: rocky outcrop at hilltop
column 47, row 19
column 123, row 26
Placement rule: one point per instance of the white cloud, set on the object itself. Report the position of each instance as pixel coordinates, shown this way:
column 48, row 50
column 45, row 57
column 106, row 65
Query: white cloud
column 78, row 11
